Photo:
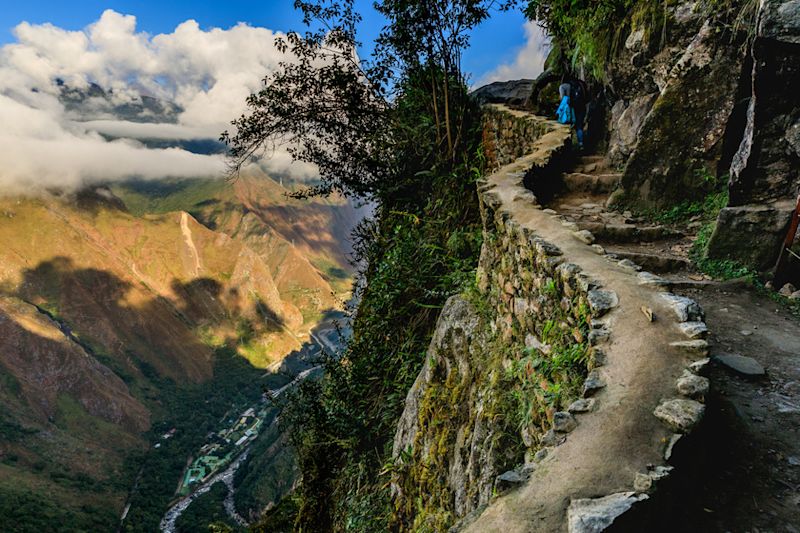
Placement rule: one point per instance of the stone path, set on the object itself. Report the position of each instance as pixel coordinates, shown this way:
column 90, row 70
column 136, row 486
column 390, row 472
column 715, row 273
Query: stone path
column 614, row 456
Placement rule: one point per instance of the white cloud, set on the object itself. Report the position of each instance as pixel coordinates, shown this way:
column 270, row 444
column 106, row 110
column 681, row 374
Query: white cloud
column 529, row 61
column 207, row 73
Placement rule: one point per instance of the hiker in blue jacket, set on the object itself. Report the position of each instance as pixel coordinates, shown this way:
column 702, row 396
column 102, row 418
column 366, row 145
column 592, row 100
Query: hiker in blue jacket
column 565, row 114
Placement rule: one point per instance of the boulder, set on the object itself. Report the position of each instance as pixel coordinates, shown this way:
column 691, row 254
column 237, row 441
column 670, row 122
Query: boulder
column 751, row 234
column 514, row 92
column 685, row 129
column 765, row 171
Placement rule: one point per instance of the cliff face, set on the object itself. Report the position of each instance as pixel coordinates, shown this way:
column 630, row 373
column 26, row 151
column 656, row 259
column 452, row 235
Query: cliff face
column 707, row 100
column 765, row 173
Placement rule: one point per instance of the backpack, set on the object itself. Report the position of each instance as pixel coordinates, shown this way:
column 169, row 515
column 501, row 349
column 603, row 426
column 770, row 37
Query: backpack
column 564, row 113
column 579, row 93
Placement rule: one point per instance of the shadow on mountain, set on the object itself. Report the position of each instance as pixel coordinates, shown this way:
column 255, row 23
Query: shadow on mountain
column 129, row 327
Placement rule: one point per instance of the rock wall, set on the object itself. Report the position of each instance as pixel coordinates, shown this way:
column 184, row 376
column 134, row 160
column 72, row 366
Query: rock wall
column 675, row 95
column 540, row 379
column 765, row 174
column 466, row 420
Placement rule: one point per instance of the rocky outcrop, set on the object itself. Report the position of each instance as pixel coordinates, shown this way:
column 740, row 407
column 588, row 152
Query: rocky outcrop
column 626, row 121
column 673, row 121
column 513, row 93
column 765, row 174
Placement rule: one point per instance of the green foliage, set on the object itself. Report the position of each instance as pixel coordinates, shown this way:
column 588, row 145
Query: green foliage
column 399, row 128
column 342, row 427
column 168, row 195
column 588, row 33
column 543, row 381
column 281, row 518
column 707, row 209
column 27, row 512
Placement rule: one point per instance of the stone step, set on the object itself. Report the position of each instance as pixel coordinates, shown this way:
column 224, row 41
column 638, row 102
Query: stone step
column 654, row 262
column 584, row 159
column 628, row 232
column 594, row 183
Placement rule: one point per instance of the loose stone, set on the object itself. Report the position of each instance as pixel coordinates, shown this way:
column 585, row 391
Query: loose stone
column 583, row 405
column 646, row 482
column 584, row 236
column 546, row 248
column 685, row 308
column 627, row 263
column 787, row 290
column 746, row 366
column 564, row 422
column 648, row 278
column 673, row 440
column 598, row 357
column 601, row 302
column 585, row 283
column 598, row 336
column 680, row 415
column 592, row 384
column 549, row 211
column 599, row 250
column 697, row 347
column 540, row 455
column 692, row 386
column 694, row 330
column 597, row 514
column 509, row 479
column 549, row 438
column 570, row 225
column 700, row 366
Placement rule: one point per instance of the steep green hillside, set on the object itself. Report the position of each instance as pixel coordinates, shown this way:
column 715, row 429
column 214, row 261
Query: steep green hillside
column 124, row 317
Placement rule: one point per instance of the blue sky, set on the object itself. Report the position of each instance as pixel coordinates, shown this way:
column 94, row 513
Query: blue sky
column 498, row 41
column 191, row 53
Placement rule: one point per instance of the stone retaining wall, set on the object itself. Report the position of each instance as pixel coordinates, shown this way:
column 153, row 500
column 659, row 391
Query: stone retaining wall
column 525, row 371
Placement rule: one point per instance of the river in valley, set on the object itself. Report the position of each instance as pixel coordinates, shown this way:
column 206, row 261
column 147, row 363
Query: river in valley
column 300, row 364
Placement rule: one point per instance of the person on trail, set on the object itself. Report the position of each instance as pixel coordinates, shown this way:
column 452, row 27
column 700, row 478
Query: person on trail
column 579, row 98
column 565, row 113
